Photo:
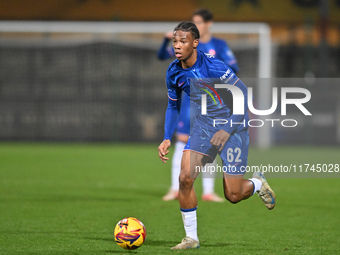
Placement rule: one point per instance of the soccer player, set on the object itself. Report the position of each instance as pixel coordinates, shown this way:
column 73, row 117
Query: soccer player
column 203, row 19
column 193, row 67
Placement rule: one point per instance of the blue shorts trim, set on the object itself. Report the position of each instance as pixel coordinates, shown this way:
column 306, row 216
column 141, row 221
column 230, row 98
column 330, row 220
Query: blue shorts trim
column 189, row 210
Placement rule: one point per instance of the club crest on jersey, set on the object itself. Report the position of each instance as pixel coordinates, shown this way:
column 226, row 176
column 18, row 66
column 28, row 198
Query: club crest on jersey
column 212, row 52
column 227, row 75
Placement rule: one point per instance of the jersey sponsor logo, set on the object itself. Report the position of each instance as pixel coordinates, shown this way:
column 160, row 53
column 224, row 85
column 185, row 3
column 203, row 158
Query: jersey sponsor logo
column 227, row 76
column 180, row 84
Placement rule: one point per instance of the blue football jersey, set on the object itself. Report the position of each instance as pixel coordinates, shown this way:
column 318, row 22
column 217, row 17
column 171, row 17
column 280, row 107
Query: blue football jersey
column 206, row 69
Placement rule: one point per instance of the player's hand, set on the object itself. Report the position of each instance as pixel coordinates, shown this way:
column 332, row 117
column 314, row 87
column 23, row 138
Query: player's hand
column 219, row 139
column 163, row 149
column 169, row 35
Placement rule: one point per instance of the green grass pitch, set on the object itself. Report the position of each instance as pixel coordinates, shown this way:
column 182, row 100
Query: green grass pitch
column 66, row 199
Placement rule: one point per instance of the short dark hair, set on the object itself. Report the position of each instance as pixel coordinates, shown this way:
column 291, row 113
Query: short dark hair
column 188, row 26
column 205, row 14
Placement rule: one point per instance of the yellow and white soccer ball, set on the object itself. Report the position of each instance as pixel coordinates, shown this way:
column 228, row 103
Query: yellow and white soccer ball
column 130, row 233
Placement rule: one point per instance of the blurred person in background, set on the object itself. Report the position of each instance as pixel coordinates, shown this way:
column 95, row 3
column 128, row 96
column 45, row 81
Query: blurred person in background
column 209, row 44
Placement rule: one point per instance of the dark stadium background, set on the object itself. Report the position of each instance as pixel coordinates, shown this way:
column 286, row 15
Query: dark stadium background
column 106, row 101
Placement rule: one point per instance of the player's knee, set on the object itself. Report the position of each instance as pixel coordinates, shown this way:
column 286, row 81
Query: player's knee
column 185, row 180
column 233, row 197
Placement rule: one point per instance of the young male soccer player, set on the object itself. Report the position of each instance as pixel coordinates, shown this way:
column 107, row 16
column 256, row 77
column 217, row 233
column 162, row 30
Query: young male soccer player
column 206, row 140
column 203, row 19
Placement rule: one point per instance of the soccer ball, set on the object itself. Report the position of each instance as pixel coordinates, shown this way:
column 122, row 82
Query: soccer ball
column 130, row 233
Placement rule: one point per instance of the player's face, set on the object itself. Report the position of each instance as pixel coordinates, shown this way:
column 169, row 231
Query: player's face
column 184, row 45
column 203, row 27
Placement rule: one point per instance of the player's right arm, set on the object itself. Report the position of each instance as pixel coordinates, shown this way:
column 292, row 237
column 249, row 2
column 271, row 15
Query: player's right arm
column 171, row 118
column 166, row 52
column 163, row 150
